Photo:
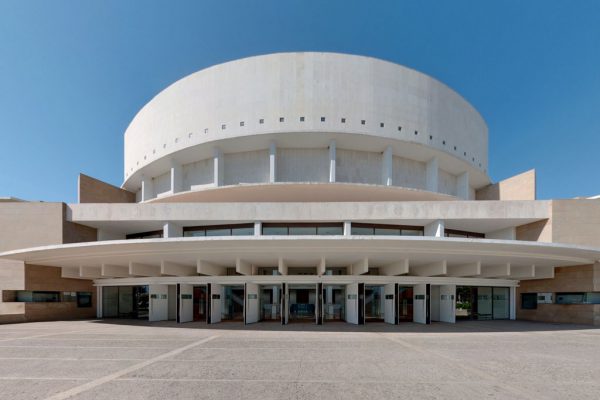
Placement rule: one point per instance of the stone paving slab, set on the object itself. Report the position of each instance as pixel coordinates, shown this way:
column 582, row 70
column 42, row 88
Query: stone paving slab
column 141, row 360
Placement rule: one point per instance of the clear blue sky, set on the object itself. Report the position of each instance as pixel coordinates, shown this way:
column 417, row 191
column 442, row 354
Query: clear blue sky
column 74, row 73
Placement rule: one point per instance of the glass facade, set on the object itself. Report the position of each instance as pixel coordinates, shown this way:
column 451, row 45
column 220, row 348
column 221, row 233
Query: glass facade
column 324, row 229
column 125, row 302
column 482, row 302
column 386, row 230
column 219, row 230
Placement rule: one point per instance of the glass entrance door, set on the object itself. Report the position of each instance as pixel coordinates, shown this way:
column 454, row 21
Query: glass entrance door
column 374, row 304
column 405, row 304
column 232, row 303
column 200, row 295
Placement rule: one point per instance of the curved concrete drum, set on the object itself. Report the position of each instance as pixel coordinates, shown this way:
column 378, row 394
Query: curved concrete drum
column 306, row 117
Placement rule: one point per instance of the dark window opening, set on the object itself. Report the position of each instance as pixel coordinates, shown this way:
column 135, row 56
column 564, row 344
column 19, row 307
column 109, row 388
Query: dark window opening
column 463, row 234
column 386, row 230
column 528, row 301
column 322, row 229
column 219, row 230
column 145, row 235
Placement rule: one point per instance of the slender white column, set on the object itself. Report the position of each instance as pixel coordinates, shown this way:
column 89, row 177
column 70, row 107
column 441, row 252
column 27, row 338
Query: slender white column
column 218, row 167
column 436, row 228
column 176, row 177
column 386, row 167
column 147, row 188
column 257, row 228
column 171, row 230
column 347, row 228
column 432, row 175
column 272, row 162
column 462, row 186
column 332, row 158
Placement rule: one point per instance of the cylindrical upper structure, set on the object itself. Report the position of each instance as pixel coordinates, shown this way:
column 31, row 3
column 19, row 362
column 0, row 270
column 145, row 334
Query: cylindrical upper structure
column 306, row 117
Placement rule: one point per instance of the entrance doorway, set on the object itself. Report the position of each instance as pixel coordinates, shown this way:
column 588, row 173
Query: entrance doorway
column 334, row 303
column 200, row 303
column 405, row 304
column 125, row 302
column 482, row 303
column 303, row 302
column 374, row 304
column 270, row 303
column 232, row 308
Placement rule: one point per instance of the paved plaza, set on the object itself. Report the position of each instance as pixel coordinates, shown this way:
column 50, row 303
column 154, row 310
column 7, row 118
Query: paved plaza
column 138, row 360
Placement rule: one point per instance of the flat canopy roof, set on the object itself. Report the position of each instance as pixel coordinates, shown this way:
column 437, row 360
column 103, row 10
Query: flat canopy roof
column 522, row 259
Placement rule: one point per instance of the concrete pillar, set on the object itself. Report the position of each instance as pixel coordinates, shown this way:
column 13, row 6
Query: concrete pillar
column 347, row 228
column 386, row 168
column 257, row 228
column 272, row 162
column 171, row 230
column 513, row 303
column 219, row 172
column 436, row 229
column 147, row 188
column 431, row 182
column 332, row 158
column 462, row 186
column 176, row 177
column 99, row 302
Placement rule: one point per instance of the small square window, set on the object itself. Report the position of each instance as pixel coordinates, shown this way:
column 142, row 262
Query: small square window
column 444, row 142
column 164, row 146
column 465, row 153
column 473, row 159
column 301, row 119
column 416, row 132
column 322, row 119
column 176, row 140
column 362, row 121
column 343, row 120
column 205, row 130
column 454, row 148
column 381, row 124
column 399, row 128
column 261, row 121
column 223, row 126
column 430, row 137
column 281, row 119
column 190, row 134
column 241, row 123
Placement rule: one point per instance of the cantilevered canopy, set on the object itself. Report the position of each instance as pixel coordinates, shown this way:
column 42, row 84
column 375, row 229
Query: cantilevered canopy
column 398, row 255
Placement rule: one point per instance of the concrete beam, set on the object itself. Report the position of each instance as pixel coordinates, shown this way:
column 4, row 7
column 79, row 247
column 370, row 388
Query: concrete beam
column 332, row 161
column 386, row 167
column 172, row 269
column 114, row 271
column 272, row 162
column 70, row 272
column 435, row 229
column 218, row 165
column 171, row 230
column 398, row 268
column 243, row 267
column 473, row 269
column 431, row 177
column 137, row 269
column 282, row 267
column 90, row 272
column 433, row 269
column 495, row 271
column 359, row 268
column 462, row 186
column 519, row 272
column 321, row 267
column 206, row 268
column 503, row 234
column 544, row 272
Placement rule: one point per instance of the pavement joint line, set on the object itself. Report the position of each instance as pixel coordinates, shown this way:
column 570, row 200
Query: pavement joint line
column 481, row 374
column 87, row 347
column 43, row 335
column 107, row 378
column 22, row 378
column 70, row 359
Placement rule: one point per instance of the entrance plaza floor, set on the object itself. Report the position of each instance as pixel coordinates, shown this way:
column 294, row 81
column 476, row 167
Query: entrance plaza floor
column 139, row 360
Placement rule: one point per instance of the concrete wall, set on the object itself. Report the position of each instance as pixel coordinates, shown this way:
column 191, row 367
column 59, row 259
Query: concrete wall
column 408, row 173
column 246, row 167
column 198, row 173
column 29, row 224
column 302, row 165
column 91, row 190
column 358, row 166
column 584, row 278
column 447, row 183
column 518, row 187
column 576, row 221
column 162, row 183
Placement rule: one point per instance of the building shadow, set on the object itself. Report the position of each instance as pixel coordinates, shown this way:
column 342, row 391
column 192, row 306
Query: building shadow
column 463, row 327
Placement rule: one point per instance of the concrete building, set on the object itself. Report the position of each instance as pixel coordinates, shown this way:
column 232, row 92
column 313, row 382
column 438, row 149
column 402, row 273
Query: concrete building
column 309, row 187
